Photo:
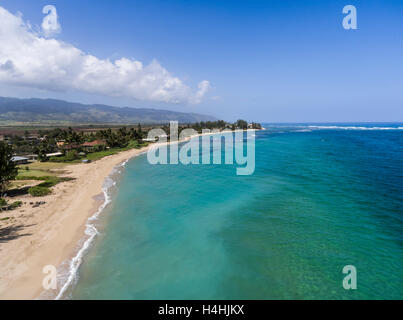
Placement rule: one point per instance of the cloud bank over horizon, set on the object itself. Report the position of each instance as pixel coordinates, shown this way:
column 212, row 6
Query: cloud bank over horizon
column 33, row 60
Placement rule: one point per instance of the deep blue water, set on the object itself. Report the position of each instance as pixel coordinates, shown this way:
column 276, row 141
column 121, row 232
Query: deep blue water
column 321, row 197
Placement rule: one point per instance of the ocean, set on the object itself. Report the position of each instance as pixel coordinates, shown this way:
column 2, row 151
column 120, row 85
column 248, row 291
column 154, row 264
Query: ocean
column 323, row 196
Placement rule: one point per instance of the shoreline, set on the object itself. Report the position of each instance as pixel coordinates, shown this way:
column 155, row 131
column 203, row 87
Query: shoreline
column 59, row 232
column 90, row 233
column 51, row 234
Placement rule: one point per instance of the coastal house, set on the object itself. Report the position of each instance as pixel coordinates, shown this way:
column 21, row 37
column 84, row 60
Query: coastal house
column 89, row 146
column 70, row 146
column 55, row 154
column 32, row 157
column 149, row 140
column 33, row 137
column 162, row 136
column 60, row 143
column 19, row 160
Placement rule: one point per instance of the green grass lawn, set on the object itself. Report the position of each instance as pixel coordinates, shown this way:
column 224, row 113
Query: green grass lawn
column 99, row 155
column 34, row 173
column 44, row 166
column 94, row 156
column 39, row 170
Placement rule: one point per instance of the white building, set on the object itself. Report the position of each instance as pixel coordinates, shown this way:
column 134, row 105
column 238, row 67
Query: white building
column 19, row 160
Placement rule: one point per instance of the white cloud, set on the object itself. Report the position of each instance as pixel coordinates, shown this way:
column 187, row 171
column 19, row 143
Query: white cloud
column 29, row 60
column 50, row 23
column 204, row 87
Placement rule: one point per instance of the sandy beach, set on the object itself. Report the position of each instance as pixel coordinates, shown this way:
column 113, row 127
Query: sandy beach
column 49, row 234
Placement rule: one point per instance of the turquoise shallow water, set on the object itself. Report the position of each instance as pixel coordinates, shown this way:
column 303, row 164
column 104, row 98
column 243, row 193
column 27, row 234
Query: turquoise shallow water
column 320, row 198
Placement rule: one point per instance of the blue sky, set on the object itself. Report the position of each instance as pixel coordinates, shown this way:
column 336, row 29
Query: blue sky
column 267, row 61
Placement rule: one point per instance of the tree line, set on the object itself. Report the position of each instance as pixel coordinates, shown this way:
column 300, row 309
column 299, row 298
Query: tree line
column 48, row 141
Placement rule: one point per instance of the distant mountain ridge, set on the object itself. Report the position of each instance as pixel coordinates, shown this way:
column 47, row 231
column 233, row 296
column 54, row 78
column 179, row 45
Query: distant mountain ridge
column 50, row 111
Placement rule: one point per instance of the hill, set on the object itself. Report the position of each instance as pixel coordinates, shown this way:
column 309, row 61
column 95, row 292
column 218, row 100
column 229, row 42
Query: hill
column 56, row 112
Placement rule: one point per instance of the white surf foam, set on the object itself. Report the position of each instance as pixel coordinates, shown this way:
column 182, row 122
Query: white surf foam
column 355, row 128
column 90, row 233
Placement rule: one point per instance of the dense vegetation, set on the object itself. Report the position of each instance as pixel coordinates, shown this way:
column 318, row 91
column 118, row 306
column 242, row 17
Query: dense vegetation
column 8, row 170
column 39, row 191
